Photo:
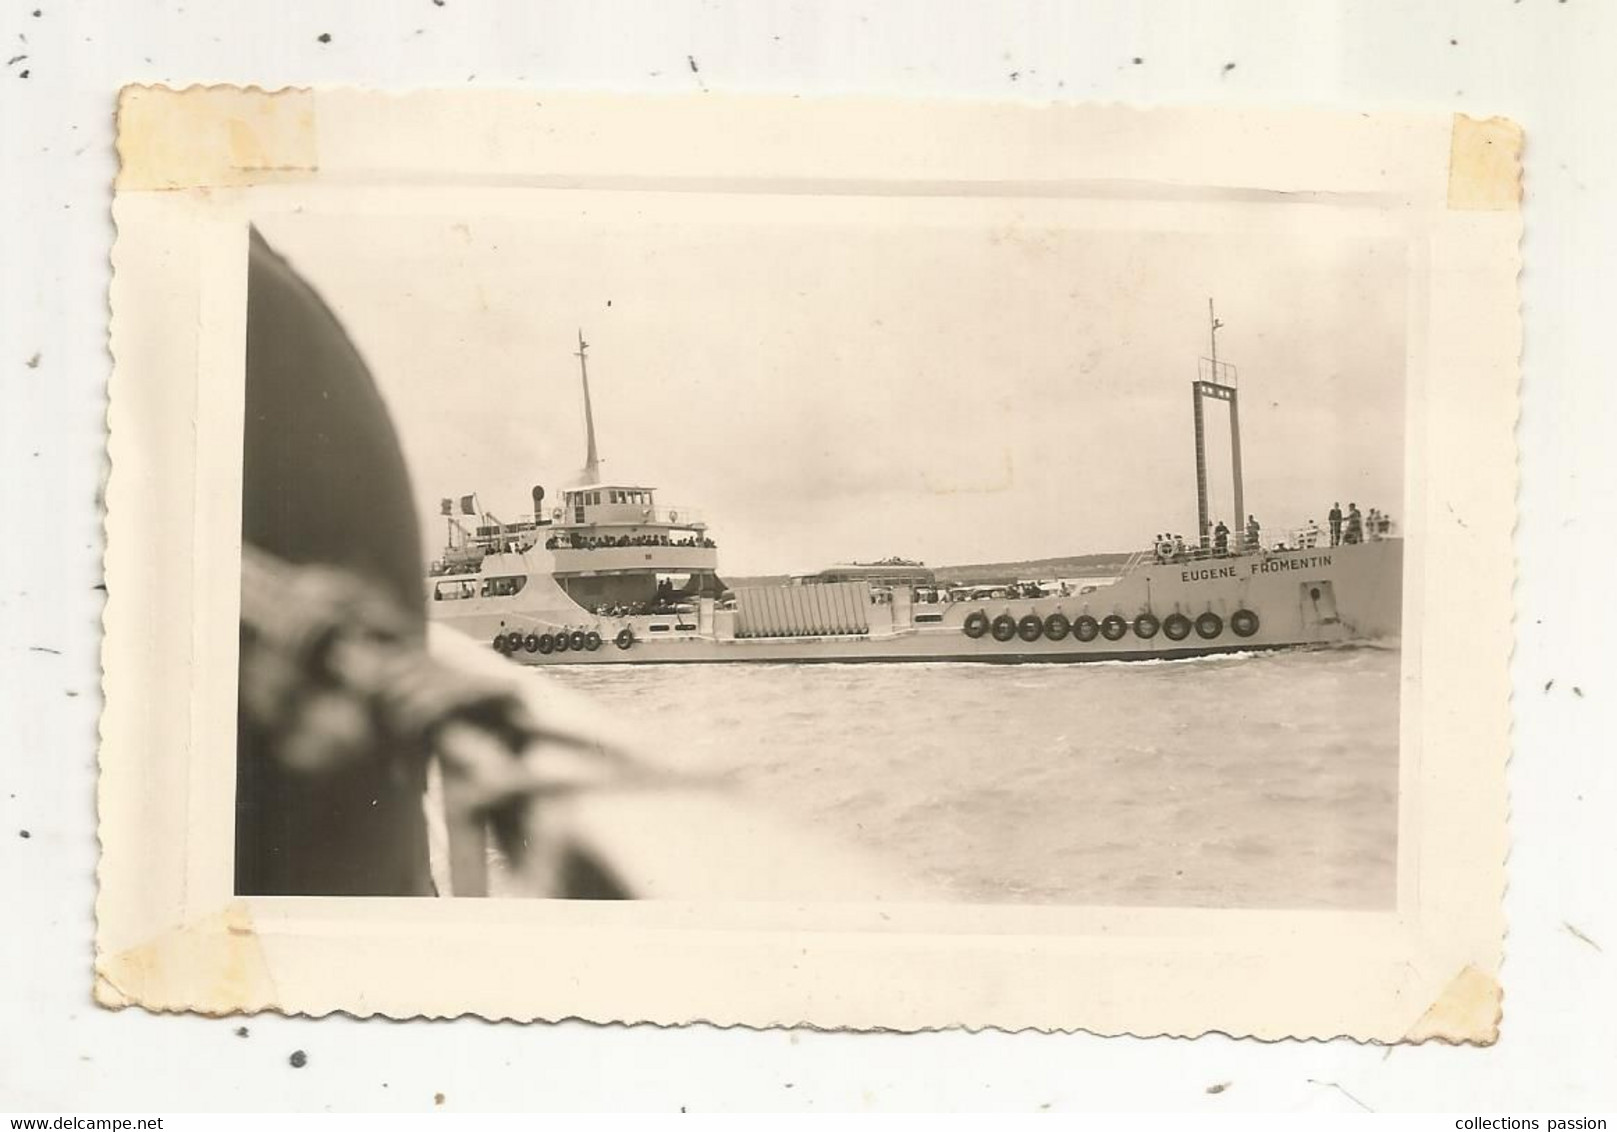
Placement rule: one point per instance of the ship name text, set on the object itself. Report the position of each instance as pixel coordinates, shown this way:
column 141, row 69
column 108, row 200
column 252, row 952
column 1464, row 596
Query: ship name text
column 1267, row 566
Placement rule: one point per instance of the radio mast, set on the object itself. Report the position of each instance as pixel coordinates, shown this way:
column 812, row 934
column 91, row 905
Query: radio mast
column 592, row 459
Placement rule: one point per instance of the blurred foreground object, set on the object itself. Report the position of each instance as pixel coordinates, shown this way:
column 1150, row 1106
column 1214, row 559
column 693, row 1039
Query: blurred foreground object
column 337, row 691
column 324, row 487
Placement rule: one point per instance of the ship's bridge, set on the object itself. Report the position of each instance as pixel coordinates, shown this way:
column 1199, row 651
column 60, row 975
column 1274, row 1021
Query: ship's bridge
column 614, row 542
column 605, row 505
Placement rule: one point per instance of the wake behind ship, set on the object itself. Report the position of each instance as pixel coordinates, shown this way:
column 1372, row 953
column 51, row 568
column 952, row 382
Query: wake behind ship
column 610, row 575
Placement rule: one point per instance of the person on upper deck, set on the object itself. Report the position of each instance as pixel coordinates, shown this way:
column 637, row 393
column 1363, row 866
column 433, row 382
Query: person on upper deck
column 1253, row 532
column 1221, row 539
column 1355, row 524
column 1335, row 519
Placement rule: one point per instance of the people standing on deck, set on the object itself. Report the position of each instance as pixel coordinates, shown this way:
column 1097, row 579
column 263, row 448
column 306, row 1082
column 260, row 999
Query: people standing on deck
column 1335, row 519
column 1355, row 524
column 1253, row 533
column 1221, row 539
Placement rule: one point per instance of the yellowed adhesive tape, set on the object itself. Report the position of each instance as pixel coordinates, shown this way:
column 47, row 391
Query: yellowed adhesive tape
column 1485, row 170
column 214, row 137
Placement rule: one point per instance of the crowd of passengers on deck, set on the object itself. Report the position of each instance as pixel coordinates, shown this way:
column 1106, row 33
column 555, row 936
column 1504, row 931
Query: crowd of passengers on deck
column 1344, row 529
column 572, row 541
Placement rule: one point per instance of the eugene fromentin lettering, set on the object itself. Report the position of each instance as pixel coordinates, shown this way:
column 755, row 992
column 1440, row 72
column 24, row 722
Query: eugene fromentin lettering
column 1266, row 566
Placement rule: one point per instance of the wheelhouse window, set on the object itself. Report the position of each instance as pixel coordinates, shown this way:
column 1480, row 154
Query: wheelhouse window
column 504, row 586
column 454, row 589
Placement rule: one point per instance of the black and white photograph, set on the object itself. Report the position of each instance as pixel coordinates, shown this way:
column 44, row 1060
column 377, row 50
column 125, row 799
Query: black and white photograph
column 1036, row 560
column 894, row 552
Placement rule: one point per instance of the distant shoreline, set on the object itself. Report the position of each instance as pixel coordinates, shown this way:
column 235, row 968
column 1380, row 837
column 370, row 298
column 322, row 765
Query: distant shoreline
column 991, row 573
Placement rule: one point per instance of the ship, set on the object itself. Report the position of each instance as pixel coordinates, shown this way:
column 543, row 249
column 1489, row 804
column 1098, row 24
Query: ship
column 610, row 575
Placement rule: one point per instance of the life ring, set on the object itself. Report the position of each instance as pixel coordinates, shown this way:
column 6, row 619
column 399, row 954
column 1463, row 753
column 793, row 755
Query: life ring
column 556, row 513
column 1146, row 626
column 1165, row 550
column 592, row 640
column 1209, row 625
column 625, row 638
column 546, row 645
column 531, row 642
column 976, row 624
column 560, row 641
column 575, row 640
column 673, row 516
column 513, row 641
column 1112, row 627
column 1004, row 627
column 1244, row 622
column 1056, row 626
column 1176, row 626
column 1085, row 627
column 1030, row 628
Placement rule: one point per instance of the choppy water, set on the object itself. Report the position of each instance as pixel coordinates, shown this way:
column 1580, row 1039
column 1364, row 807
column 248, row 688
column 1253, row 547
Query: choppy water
column 1245, row 781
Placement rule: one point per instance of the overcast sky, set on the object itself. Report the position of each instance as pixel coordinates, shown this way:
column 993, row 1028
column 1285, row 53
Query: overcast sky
column 837, row 391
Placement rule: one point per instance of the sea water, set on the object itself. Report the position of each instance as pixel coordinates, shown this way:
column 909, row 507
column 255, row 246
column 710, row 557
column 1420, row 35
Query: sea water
column 1263, row 781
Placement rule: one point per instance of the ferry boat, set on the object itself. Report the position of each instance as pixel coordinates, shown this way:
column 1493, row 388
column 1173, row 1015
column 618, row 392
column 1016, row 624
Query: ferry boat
column 609, row 575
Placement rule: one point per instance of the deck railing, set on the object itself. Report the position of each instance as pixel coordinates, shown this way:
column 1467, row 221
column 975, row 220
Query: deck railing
column 1296, row 538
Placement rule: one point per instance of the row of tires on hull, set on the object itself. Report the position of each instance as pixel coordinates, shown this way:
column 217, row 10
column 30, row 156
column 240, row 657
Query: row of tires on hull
column 576, row 640
column 1114, row 627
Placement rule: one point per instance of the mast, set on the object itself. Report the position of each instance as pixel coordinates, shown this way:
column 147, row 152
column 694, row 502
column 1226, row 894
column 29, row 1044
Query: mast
column 1219, row 384
column 1202, row 532
column 592, row 459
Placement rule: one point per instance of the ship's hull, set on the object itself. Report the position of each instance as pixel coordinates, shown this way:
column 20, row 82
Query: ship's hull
column 890, row 652
column 1275, row 600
